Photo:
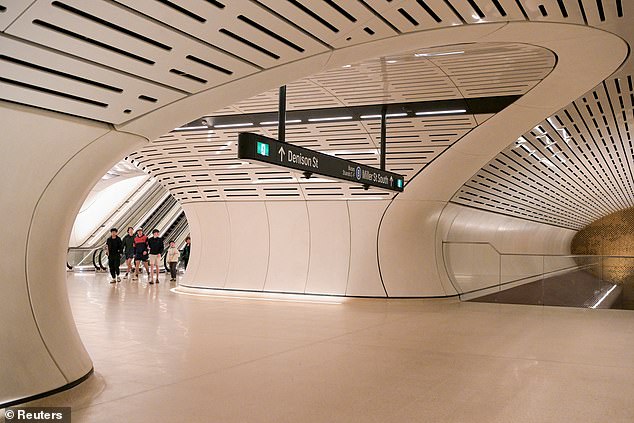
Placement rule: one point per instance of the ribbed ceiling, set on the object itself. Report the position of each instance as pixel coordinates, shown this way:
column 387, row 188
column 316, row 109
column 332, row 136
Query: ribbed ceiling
column 114, row 60
column 457, row 71
column 571, row 169
column 201, row 164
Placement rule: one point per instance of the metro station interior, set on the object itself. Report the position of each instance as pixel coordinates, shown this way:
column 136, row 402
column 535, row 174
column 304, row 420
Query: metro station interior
column 491, row 281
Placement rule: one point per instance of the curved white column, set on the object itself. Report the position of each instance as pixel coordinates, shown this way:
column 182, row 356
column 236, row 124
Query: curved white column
column 415, row 224
column 47, row 167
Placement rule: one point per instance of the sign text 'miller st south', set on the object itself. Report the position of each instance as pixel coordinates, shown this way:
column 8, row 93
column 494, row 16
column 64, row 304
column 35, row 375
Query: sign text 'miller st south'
column 259, row 148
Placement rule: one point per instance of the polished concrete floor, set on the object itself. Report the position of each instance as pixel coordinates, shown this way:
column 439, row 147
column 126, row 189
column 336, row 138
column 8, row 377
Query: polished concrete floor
column 166, row 357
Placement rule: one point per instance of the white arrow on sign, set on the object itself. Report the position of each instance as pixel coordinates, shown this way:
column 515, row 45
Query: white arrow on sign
column 391, row 181
column 282, row 152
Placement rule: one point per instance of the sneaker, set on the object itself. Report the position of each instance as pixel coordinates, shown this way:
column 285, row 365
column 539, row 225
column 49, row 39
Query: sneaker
column 113, row 280
column 118, row 278
column 151, row 282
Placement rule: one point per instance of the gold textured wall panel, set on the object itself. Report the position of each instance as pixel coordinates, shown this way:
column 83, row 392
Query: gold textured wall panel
column 612, row 235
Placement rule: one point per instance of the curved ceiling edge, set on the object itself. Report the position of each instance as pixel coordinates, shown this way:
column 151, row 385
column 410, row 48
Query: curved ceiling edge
column 568, row 80
column 163, row 120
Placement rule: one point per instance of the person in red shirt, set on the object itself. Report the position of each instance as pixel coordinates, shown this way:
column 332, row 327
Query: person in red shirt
column 140, row 253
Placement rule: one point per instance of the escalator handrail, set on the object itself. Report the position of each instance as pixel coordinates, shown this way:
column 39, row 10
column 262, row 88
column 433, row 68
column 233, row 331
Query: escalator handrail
column 94, row 256
column 100, row 258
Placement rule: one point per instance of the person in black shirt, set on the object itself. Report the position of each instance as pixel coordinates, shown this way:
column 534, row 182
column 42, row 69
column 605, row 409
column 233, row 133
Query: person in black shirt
column 114, row 248
column 155, row 244
column 128, row 249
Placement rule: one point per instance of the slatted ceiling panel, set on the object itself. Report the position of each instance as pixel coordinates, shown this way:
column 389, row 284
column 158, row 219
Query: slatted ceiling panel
column 74, row 86
column 495, row 71
column 10, row 10
column 581, row 160
column 333, row 22
column 121, row 39
column 242, row 28
column 369, row 26
column 306, row 94
column 592, row 151
column 413, row 15
column 555, row 11
column 501, row 70
column 604, row 124
column 207, row 159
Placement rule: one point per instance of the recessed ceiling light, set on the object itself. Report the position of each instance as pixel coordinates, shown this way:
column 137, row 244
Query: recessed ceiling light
column 275, row 122
column 391, row 61
column 440, row 112
column 330, row 118
column 189, row 128
column 379, row 116
column 346, row 66
column 449, row 53
column 233, row 125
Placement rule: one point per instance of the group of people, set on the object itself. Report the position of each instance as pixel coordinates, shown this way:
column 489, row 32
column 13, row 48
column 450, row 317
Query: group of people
column 143, row 249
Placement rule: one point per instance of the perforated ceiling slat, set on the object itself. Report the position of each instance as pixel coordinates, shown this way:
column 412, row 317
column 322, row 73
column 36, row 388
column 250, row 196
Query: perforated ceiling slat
column 241, row 27
column 109, row 34
column 74, row 86
column 476, row 11
column 207, row 159
column 416, row 76
column 554, row 11
column 10, row 10
column 413, row 15
column 578, row 163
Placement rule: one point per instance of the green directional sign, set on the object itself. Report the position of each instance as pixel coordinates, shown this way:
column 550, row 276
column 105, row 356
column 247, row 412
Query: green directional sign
column 259, row 148
column 263, row 148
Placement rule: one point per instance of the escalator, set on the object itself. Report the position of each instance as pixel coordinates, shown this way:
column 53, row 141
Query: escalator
column 130, row 213
column 150, row 207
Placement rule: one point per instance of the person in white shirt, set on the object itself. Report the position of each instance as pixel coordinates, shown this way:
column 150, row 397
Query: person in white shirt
column 172, row 259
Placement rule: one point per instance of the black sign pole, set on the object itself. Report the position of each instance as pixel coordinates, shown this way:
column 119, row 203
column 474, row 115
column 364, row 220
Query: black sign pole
column 281, row 115
column 383, row 135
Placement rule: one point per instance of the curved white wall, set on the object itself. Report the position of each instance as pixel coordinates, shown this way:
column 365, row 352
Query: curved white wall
column 44, row 180
column 395, row 248
column 286, row 246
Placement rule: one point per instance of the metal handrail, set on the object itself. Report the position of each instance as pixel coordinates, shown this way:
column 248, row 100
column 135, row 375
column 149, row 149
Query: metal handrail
column 598, row 260
column 530, row 254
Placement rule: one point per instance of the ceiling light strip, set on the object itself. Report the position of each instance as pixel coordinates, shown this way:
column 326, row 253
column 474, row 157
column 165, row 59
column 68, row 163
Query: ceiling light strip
column 441, row 112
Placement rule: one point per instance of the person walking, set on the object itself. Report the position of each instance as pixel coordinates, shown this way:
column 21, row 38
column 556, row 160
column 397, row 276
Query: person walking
column 156, row 250
column 114, row 248
column 186, row 251
column 172, row 259
column 128, row 250
column 140, row 252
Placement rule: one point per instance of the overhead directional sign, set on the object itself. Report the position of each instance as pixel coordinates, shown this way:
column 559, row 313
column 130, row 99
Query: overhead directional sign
column 257, row 147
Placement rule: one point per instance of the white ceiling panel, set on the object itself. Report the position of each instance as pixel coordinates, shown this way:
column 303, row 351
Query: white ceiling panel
column 40, row 77
column 114, row 36
column 573, row 168
column 479, row 70
column 10, row 10
column 239, row 27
